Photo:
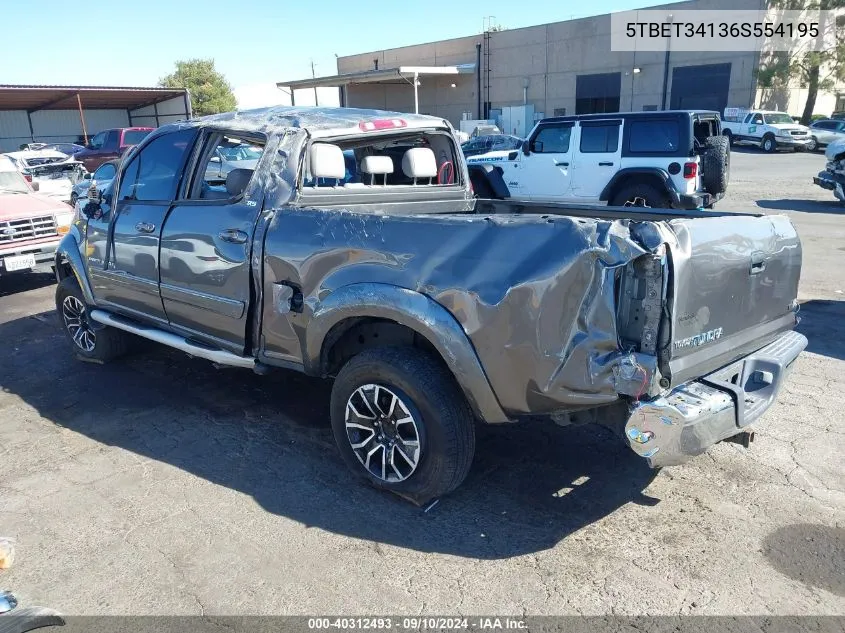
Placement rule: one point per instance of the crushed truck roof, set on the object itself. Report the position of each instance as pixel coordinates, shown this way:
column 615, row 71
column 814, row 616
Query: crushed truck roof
column 315, row 118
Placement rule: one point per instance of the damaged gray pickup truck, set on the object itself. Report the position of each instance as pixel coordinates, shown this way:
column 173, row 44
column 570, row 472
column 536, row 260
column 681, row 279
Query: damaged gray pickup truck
column 350, row 243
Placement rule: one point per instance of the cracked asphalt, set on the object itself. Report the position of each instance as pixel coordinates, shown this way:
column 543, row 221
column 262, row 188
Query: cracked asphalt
column 160, row 485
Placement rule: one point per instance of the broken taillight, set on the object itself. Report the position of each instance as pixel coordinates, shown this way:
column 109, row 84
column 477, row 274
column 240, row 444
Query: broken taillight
column 381, row 124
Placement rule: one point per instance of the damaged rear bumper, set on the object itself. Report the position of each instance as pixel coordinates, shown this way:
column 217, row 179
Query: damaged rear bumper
column 832, row 182
column 671, row 429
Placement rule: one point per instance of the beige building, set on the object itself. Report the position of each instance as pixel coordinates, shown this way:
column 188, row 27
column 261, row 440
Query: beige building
column 558, row 69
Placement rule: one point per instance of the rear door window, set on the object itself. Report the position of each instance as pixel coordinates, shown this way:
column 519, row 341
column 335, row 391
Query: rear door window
column 602, row 138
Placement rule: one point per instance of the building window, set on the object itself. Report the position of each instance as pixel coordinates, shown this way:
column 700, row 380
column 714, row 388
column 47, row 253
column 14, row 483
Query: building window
column 597, row 93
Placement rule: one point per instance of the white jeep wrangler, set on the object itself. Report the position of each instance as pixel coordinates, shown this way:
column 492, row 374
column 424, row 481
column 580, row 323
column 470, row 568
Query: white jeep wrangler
column 671, row 159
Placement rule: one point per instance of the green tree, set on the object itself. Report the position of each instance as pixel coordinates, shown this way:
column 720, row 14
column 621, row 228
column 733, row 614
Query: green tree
column 814, row 69
column 210, row 92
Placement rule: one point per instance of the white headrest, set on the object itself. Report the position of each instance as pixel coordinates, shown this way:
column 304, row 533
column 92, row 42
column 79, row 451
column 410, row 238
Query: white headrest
column 419, row 162
column 377, row 165
column 327, row 161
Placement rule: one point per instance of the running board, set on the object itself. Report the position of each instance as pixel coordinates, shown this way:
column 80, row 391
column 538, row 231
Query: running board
column 199, row 350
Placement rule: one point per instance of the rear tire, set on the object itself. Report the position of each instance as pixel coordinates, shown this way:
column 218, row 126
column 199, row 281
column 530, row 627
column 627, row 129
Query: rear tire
column 716, row 164
column 641, row 194
column 729, row 135
column 402, row 423
column 90, row 342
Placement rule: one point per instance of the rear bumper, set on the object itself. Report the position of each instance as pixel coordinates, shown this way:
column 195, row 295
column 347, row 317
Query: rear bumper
column 831, row 182
column 698, row 200
column 671, row 429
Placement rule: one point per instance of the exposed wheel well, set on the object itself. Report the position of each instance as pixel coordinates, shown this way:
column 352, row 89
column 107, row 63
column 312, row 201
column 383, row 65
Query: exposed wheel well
column 352, row 336
column 63, row 268
column 635, row 179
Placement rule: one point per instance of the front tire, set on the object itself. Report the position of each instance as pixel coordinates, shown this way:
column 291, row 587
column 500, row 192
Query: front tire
column 91, row 342
column 401, row 422
column 769, row 144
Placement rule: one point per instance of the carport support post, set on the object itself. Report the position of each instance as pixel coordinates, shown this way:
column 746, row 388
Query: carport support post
column 416, row 94
column 82, row 118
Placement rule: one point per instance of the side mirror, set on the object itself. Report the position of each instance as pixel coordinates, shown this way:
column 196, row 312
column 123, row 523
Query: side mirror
column 35, row 186
column 214, row 159
column 87, row 176
column 525, row 148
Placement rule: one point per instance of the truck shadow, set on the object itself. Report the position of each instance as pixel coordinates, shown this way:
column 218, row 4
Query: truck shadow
column 803, row 206
column 531, row 484
column 823, row 323
column 16, row 283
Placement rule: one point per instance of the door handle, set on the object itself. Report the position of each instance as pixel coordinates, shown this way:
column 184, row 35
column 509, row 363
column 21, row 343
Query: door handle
column 561, row 164
column 605, row 164
column 234, row 236
column 145, row 227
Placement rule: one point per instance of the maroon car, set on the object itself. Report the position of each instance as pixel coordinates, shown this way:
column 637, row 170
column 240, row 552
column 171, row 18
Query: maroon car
column 110, row 144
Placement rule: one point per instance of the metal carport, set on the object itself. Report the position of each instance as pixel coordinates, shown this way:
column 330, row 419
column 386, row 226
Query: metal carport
column 64, row 113
column 401, row 74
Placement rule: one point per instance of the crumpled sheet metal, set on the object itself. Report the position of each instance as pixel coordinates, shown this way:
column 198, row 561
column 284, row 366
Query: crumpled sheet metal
column 535, row 294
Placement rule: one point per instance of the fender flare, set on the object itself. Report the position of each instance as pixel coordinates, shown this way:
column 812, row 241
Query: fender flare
column 417, row 312
column 67, row 252
column 623, row 174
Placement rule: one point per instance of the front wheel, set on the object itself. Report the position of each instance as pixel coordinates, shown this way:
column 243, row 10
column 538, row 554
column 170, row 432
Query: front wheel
column 813, row 145
column 769, row 144
column 401, row 422
column 91, row 341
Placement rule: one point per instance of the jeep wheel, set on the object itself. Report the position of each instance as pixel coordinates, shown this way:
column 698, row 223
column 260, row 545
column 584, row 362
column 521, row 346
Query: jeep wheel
column 401, row 422
column 90, row 341
column 641, row 195
column 716, row 164
column 769, row 143
column 813, row 145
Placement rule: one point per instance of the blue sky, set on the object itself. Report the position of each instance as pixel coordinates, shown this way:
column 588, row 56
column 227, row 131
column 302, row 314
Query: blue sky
column 254, row 42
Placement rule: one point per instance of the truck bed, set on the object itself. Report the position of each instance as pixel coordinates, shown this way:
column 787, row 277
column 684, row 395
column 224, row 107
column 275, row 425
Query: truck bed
column 541, row 290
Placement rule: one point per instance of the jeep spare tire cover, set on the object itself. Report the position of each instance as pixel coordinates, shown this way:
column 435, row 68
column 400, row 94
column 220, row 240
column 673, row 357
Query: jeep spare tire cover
column 716, row 164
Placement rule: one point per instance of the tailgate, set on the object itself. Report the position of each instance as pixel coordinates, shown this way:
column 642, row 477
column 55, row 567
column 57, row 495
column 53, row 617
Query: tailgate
column 735, row 288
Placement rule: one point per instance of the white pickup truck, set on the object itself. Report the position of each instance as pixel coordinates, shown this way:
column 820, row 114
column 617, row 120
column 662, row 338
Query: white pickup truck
column 767, row 129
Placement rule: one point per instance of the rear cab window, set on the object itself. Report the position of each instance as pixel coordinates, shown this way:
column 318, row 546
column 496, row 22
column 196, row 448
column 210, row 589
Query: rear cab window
column 133, row 137
column 412, row 164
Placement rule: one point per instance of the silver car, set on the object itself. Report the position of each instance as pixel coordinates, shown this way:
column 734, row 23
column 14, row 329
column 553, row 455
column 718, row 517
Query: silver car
column 229, row 157
column 826, row 132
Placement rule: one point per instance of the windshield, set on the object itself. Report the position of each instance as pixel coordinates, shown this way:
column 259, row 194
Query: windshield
column 12, row 182
column 778, row 117
column 241, row 152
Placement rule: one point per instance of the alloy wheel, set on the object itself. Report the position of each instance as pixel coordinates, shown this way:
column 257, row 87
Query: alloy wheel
column 75, row 317
column 383, row 433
